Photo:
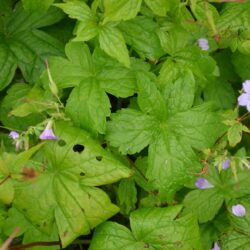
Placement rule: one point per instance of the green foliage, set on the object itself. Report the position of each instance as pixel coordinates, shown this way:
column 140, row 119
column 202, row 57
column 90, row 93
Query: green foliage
column 153, row 228
column 125, row 124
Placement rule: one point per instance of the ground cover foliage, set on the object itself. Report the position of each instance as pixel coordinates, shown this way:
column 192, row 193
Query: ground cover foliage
column 125, row 124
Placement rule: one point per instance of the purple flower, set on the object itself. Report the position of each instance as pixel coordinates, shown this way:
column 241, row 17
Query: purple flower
column 14, row 135
column 48, row 133
column 216, row 246
column 203, row 43
column 226, row 164
column 239, row 210
column 203, row 183
column 244, row 99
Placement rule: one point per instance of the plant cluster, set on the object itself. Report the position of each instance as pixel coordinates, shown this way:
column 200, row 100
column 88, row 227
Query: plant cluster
column 125, row 124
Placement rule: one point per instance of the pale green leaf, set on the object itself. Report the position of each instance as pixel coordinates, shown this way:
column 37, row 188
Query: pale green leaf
column 64, row 191
column 31, row 232
column 120, row 10
column 234, row 134
column 112, row 42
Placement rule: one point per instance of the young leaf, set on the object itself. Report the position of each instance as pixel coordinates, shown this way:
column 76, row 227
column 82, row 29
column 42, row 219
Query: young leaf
column 120, row 10
column 112, row 42
column 152, row 228
column 74, row 168
column 87, row 28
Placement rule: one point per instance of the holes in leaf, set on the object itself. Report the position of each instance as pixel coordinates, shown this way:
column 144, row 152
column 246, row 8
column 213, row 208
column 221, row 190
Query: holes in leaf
column 99, row 157
column 78, row 148
column 61, row 143
column 82, row 174
column 65, row 233
column 44, row 224
column 104, row 145
column 24, row 210
column 146, row 245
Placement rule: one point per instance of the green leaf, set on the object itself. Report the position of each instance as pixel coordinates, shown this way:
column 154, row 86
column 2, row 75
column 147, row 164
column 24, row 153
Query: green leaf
column 139, row 127
column 221, row 93
column 87, row 27
column 13, row 100
column 127, row 195
column 141, row 34
column 159, row 7
column 205, row 204
column 241, row 224
column 120, row 10
column 6, row 187
column 31, row 233
column 178, row 87
column 172, row 160
column 88, row 106
column 149, row 97
column 93, row 75
column 152, row 228
column 76, row 9
column 234, row 133
column 112, row 42
column 241, row 64
column 74, row 168
column 40, row 5
column 235, row 240
column 19, row 39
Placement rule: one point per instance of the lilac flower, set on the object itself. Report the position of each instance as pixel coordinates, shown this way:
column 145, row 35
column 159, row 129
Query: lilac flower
column 226, row 164
column 203, row 183
column 48, row 133
column 216, row 246
column 203, row 43
column 239, row 210
column 14, row 135
column 244, row 99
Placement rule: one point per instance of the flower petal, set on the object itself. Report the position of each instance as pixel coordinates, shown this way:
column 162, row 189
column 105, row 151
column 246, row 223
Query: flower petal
column 246, row 86
column 226, row 164
column 216, row 246
column 203, row 183
column 243, row 99
column 248, row 106
column 14, row 135
column 239, row 210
